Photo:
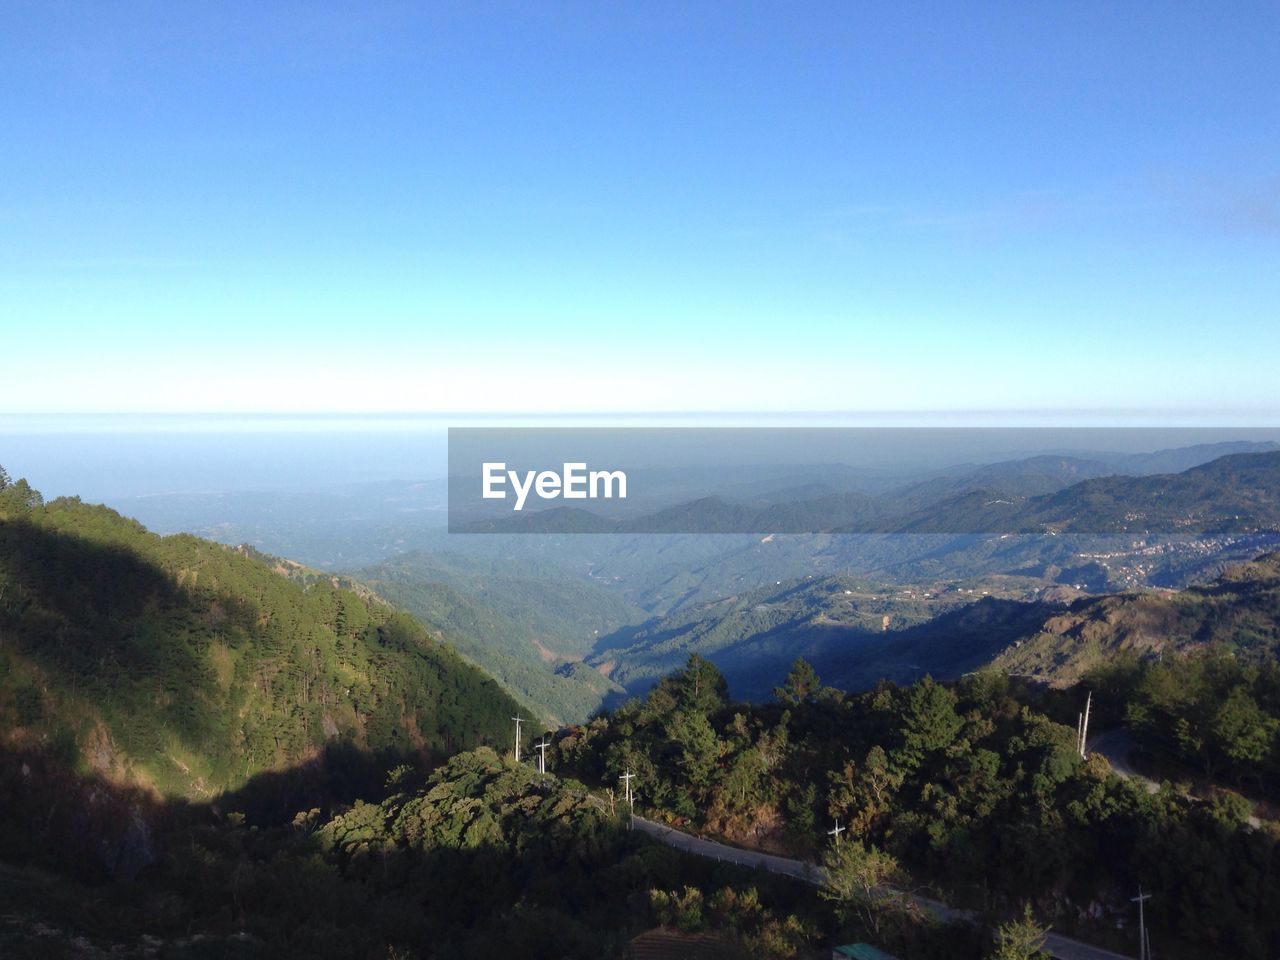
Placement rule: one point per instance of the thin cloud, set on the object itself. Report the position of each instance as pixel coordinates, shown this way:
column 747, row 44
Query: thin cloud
column 1252, row 210
column 1236, row 206
column 1023, row 212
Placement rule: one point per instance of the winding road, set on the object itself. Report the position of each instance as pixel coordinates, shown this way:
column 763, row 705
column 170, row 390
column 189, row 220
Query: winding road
column 1063, row 948
column 1118, row 746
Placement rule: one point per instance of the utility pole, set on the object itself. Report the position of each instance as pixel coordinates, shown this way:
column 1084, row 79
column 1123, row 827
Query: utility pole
column 626, row 782
column 1083, row 728
column 631, row 808
column 542, row 755
column 1144, row 944
column 519, row 720
column 836, row 831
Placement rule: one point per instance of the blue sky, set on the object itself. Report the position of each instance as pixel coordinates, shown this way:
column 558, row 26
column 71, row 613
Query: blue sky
column 449, row 207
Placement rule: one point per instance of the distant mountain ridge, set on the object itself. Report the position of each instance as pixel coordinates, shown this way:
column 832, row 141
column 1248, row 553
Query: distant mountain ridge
column 1237, row 492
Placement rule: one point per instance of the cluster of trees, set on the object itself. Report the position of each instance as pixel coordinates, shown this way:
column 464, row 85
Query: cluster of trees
column 17, row 496
column 966, row 784
column 1216, row 712
column 510, row 861
column 482, row 858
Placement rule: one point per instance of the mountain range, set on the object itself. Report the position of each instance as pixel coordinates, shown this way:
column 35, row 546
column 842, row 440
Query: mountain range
column 1232, row 493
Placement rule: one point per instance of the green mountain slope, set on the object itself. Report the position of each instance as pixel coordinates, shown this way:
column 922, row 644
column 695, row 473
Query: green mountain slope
column 184, row 666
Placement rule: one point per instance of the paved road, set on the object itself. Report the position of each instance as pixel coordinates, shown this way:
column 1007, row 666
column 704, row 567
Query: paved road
column 1062, row 948
column 1118, row 746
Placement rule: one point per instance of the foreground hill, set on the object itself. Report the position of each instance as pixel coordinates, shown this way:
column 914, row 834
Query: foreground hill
column 186, row 667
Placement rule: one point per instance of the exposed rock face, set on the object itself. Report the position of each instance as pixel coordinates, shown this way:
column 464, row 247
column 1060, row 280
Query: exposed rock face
column 133, row 850
column 94, row 827
column 117, row 830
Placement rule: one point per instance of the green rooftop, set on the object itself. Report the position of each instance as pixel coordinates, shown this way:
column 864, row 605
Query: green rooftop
column 860, row 951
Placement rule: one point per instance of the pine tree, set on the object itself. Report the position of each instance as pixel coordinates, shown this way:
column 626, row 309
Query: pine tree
column 1020, row 939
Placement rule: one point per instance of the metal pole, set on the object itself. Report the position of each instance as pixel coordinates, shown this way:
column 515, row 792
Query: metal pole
column 518, row 720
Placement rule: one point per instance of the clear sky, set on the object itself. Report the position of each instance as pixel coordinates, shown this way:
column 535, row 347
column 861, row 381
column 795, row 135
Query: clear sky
column 648, row 206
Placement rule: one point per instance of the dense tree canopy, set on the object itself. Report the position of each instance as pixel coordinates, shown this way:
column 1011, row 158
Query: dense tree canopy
column 971, row 786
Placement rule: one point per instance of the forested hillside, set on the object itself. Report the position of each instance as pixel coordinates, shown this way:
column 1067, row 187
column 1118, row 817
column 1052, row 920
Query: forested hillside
column 186, row 667
column 531, row 634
